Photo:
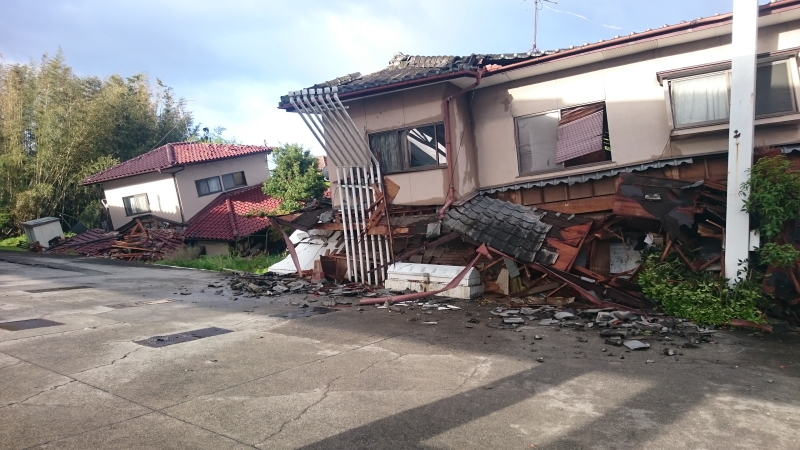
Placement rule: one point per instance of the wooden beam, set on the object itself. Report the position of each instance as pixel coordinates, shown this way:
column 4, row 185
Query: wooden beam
column 580, row 205
column 375, row 230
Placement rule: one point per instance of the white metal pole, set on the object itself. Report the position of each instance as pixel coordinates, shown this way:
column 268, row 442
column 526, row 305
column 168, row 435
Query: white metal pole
column 741, row 140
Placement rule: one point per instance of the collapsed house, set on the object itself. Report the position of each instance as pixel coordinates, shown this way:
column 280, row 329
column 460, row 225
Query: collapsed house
column 560, row 164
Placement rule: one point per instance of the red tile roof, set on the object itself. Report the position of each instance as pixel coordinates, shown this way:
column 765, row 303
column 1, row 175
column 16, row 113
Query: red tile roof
column 172, row 155
column 224, row 219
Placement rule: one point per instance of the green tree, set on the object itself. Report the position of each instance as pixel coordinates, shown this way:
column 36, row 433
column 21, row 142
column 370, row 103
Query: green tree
column 295, row 179
column 57, row 128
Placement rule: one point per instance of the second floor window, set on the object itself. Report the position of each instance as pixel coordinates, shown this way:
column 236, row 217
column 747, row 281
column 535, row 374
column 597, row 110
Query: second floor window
column 136, row 204
column 704, row 99
column 233, row 180
column 563, row 138
column 410, row 149
column 208, row 186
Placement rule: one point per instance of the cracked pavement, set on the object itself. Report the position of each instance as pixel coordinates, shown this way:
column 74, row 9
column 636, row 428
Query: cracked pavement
column 351, row 379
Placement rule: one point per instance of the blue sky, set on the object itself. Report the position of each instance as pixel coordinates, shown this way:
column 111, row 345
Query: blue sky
column 233, row 60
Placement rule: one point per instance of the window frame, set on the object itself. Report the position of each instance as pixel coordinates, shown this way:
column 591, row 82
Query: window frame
column 128, row 212
column 197, row 186
column 235, row 186
column 406, row 148
column 715, row 69
column 562, row 168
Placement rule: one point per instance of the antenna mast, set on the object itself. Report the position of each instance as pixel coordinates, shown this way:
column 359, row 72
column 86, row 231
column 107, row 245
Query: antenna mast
column 537, row 5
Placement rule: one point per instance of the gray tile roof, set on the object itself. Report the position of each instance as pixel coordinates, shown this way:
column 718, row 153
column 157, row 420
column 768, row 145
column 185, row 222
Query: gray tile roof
column 515, row 230
column 406, row 67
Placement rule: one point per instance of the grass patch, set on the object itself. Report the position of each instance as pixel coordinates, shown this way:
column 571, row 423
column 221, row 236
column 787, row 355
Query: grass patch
column 189, row 257
column 10, row 244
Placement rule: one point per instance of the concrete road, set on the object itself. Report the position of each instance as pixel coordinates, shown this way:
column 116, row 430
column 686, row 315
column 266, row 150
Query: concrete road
column 354, row 379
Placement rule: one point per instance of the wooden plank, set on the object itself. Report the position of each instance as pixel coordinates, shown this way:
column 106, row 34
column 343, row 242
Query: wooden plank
column 566, row 254
column 554, row 194
column 580, row 190
column 392, row 189
column 588, row 273
column 375, row 230
column 581, row 205
column 604, row 186
column 536, row 290
column 601, row 257
column 532, row 196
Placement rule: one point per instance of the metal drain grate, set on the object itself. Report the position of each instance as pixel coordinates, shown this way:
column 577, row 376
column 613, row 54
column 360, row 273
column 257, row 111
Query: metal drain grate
column 177, row 338
column 29, row 324
column 65, row 288
column 306, row 312
column 140, row 303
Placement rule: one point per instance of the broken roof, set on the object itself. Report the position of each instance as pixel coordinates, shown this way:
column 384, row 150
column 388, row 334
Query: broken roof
column 173, row 155
column 226, row 218
column 525, row 233
column 513, row 229
column 406, row 70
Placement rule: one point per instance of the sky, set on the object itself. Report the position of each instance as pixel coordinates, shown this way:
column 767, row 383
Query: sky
column 232, row 60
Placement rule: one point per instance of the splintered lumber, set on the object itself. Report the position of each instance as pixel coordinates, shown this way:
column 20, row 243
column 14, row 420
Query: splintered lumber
column 535, row 290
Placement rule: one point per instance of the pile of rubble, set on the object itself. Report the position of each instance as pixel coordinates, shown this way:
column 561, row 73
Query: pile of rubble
column 276, row 285
column 137, row 243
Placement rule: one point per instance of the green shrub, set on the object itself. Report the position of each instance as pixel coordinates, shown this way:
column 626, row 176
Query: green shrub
column 704, row 297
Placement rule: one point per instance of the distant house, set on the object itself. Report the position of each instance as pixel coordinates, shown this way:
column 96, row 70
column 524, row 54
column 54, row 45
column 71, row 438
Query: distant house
column 179, row 180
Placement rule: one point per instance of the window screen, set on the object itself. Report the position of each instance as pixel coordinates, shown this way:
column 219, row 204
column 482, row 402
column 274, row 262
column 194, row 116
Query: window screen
column 136, row 204
column 233, row 180
column 208, row 186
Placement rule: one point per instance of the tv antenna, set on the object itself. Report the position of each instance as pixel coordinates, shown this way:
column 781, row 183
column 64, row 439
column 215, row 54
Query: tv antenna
column 538, row 5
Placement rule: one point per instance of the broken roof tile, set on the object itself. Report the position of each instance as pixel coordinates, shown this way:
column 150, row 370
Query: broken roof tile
column 227, row 217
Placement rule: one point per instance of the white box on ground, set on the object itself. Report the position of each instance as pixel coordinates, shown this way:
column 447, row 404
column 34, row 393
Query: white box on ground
column 432, row 277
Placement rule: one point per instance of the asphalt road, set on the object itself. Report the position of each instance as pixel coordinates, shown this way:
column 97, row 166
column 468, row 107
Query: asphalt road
column 354, row 379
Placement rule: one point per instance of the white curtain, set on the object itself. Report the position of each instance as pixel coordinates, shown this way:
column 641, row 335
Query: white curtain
column 702, row 99
column 141, row 204
column 213, row 185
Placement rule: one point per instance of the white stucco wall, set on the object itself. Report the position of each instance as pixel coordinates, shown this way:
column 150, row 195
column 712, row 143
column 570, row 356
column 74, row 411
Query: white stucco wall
column 160, row 190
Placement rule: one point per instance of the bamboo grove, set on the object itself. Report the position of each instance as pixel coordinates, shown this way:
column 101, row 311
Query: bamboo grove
column 56, row 128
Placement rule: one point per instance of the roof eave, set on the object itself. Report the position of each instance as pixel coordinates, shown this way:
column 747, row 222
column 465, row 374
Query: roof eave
column 387, row 88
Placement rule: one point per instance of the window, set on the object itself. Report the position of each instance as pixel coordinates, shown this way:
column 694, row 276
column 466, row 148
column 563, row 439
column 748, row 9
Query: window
column 564, row 138
column 208, row 186
column 704, row 99
column 233, row 180
column 411, row 149
column 136, row 204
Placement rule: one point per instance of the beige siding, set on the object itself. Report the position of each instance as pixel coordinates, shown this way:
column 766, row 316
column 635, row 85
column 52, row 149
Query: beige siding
column 635, row 103
column 160, row 190
column 409, row 109
column 483, row 121
column 255, row 172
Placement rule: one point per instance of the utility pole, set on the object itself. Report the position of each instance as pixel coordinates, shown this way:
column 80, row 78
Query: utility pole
column 741, row 139
column 537, row 5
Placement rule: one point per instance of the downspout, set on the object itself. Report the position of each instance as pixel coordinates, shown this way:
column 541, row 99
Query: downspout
column 451, row 190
